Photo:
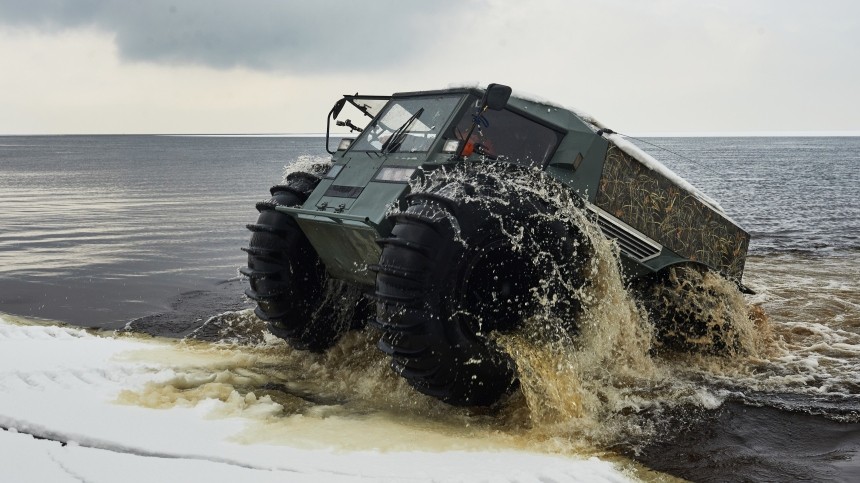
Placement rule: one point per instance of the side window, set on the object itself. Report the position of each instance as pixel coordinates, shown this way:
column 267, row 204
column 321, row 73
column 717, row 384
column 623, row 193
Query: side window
column 509, row 137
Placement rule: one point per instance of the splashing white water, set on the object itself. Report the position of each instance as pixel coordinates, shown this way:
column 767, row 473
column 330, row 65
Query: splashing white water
column 317, row 165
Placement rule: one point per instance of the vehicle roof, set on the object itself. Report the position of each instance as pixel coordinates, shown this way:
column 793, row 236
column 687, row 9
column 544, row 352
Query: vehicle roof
column 558, row 116
column 566, row 119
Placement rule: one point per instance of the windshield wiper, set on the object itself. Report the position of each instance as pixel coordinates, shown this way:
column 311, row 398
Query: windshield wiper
column 396, row 139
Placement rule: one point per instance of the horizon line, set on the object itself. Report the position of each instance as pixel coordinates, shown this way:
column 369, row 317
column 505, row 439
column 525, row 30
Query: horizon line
column 646, row 134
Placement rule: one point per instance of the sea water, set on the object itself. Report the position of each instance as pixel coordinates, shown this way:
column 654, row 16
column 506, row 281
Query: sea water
column 144, row 232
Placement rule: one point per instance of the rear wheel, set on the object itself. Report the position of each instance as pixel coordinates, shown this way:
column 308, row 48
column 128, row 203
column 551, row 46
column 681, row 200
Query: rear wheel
column 287, row 279
column 687, row 315
column 459, row 264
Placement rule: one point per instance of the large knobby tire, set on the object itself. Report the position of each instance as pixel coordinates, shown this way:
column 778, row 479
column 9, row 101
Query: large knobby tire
column 287, row 279
column 456, row 267
column 687, row 315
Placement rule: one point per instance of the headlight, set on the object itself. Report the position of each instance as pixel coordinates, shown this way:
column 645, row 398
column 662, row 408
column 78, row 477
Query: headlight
column 451, row 146
column 391, row 173
column 344, row 144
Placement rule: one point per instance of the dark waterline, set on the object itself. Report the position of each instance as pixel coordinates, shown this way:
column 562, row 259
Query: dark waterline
column 738, row 443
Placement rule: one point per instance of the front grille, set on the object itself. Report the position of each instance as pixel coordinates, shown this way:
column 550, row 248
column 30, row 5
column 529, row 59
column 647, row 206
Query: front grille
column 339, row 191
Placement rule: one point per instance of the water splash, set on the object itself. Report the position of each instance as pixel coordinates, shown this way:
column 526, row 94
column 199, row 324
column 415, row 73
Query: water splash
column 808, row 359
column 602, row 383
column 317, row 165
column 606, row 384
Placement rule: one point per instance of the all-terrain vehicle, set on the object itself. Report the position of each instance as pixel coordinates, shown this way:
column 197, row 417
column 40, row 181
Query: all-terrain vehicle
column 417, row 213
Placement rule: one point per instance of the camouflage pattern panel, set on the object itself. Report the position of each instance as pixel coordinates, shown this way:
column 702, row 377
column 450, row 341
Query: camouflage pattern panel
column 657, row 207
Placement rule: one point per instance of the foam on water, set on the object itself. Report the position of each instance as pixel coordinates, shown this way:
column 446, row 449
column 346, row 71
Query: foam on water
column 812, row 354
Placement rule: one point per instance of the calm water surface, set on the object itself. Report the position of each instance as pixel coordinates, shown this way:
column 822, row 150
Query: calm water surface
column 99, row 230
column 102, row 230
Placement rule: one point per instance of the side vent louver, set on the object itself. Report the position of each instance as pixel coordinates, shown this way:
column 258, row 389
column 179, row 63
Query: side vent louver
column 630, row 242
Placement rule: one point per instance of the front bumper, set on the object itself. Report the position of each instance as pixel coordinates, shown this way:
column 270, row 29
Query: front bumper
column 345, row 243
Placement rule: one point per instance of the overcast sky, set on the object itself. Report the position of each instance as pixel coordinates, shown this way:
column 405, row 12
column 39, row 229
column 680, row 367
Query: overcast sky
column 276, row 66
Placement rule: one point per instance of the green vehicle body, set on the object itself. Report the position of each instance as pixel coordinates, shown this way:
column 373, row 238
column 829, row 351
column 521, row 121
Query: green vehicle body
column 655, row 220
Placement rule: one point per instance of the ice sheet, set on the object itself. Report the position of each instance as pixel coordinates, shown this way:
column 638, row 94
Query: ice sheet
column 61, row 385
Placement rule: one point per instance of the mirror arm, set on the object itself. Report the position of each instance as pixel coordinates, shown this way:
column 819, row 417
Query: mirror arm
column 348, row 123
column 327, row 127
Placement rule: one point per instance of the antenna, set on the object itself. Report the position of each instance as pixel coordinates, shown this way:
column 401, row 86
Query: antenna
column 610, row 131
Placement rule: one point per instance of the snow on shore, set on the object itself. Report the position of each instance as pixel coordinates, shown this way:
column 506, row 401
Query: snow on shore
column 62, row 422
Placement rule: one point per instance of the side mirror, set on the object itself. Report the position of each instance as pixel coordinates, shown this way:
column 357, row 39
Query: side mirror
column 496, row 97
column 332, row 115
column 337, row 107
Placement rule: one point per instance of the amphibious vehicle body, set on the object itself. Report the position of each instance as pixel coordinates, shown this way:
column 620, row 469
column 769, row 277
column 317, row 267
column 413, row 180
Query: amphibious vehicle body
column 416, row 215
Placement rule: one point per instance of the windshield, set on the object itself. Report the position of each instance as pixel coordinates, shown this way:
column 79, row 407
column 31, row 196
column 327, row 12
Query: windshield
column 369, row 105
column 408, row 125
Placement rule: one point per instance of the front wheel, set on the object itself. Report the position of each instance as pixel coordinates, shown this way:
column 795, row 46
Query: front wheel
column 288, row 281
column 461, row 263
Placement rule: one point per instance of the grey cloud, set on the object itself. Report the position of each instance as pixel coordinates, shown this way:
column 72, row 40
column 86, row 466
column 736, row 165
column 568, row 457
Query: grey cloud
column 295, row 36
